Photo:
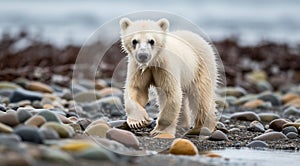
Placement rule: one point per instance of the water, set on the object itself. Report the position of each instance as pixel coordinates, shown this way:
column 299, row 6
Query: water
column 259, row 157
column 72, row 21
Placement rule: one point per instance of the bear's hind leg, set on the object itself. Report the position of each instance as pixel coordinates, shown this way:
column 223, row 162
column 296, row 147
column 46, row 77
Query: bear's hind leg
column 185, row 115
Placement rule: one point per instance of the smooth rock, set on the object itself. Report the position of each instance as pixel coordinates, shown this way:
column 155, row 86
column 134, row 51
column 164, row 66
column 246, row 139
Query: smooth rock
column 49, row 116
column 245, row 116
column 22, row 94
column 122, row 136
column 8, row 85
column 256, row 76
column 232, row 91
column 277, row 124
column 49, row 134
column 36, row 121
column 24, row 114
column 5, row 128
column 57, row 156
column 271, row 136
column 205, row 131
column 98, row 154
column 257, row 144
column 291, row 111
column 268, row 117
column 295, row 103
column 29, row 134
column 234, row 130
column 263, row 86
column 9, row 139
column 256, row 126
column 10, row 119
column 87, row 96
column 116, row 123
column 61, row 129
column 24, row 103
column 218, row 136
column 16, row 159
column 220, row 126
column 38, row 86
column 244, row 99
column 270, row 97
column 289, row 97
column 297, row 125
column 292, row 135
column 97, row 130
column 253, row 104
column 76, row 146
column 230, row 100
column 76, row 127
column 98, row 121
column 213, row 155
column 64, row 119
column 183, row 147
column 289, row 129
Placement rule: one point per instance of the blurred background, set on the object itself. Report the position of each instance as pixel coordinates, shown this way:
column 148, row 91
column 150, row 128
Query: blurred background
column 258, row 37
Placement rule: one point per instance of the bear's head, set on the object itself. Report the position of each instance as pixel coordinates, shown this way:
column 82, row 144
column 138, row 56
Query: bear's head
column 144, row 39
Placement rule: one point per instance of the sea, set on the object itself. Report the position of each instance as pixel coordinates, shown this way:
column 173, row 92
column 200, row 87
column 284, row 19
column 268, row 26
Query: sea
column 64, row 22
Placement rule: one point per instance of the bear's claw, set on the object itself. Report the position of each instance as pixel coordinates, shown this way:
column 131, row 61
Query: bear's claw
column 136, row 124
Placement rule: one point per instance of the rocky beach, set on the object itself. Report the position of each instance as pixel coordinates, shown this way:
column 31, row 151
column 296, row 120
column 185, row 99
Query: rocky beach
column 48, row 118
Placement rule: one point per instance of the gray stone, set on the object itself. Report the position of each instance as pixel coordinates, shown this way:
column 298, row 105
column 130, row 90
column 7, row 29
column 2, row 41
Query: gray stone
column 256, row 126
column 29, row 134
column 270, row 136
column 24, row 114
column 292, row 135
column 21, row 94
column 268, row 96
column 289, row 129
column 99, row 154
column 122, row 136
column 49, row 116
column 291, row 111
column 257, row 144
column 268, row 117
column 218, row 136
column 245, row 116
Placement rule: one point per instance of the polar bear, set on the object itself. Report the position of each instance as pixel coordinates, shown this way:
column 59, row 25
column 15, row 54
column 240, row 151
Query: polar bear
column 181, row 64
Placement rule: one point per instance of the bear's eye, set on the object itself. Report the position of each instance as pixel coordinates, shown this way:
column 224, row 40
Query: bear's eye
column 134, row 42
column 151, row 42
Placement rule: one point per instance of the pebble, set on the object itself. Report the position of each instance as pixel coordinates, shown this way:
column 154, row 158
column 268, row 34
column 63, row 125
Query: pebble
column 263, row 86
column 256, row 126
column 271, row 136
column 87, row 96
column 122, row 136
column 205, row 131
column 213, row 155
column 24, row 114
column 277, row 124
column 297, row 125
column 38, row 86
column 253, row 104
column 268, row 116
column 218, row 136
column 2, row 108
column 8, row 85
column 24, row 103
column 295, row 103
column 256, row 76
column 36, row 121
column 75, row 146
column 22, row 94
column 64, row 119
column 289, row 97
column 244, row 99
column 10, row 119
column 118, row 123
column 16, row 159
column 257, row 144
column 57, row 156
column 234, row 130
column 291, row 111
column 97, row 130
column 49, row 134
column 61, row 129
column 230, row 100
column 220, row 126
column 98, row 154
column 292, row 135
column 5, row 128
column 270, row 97
column 245, row 116
column 233, row 91
column 49, row 116
column 9, row 139
column 183, row 147
column 98, row 121
column 29, row 134
column 289, row 129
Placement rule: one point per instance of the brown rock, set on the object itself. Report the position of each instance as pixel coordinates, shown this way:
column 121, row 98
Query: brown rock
column 183, row 147
column 253, row 104
column 38, row 86
column 36, row 121
column 10, row 119
column 289, row 97
column 295, row 102
column 124, row 137
column 297, row 125
column 277, row 124
column 109, row 91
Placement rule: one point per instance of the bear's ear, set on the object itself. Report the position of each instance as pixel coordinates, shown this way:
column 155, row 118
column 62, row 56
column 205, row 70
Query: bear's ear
column 124, row 23
column 163, row 23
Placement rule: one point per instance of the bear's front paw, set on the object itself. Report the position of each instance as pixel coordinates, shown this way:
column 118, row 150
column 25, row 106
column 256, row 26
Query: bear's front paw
column 160, row 134
column 138, row 120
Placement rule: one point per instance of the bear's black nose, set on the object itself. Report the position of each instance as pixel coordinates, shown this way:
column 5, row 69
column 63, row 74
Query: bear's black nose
column 142, row 57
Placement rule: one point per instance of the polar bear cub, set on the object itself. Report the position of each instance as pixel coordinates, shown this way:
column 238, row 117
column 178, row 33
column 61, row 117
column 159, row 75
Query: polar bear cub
column 181, row 64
